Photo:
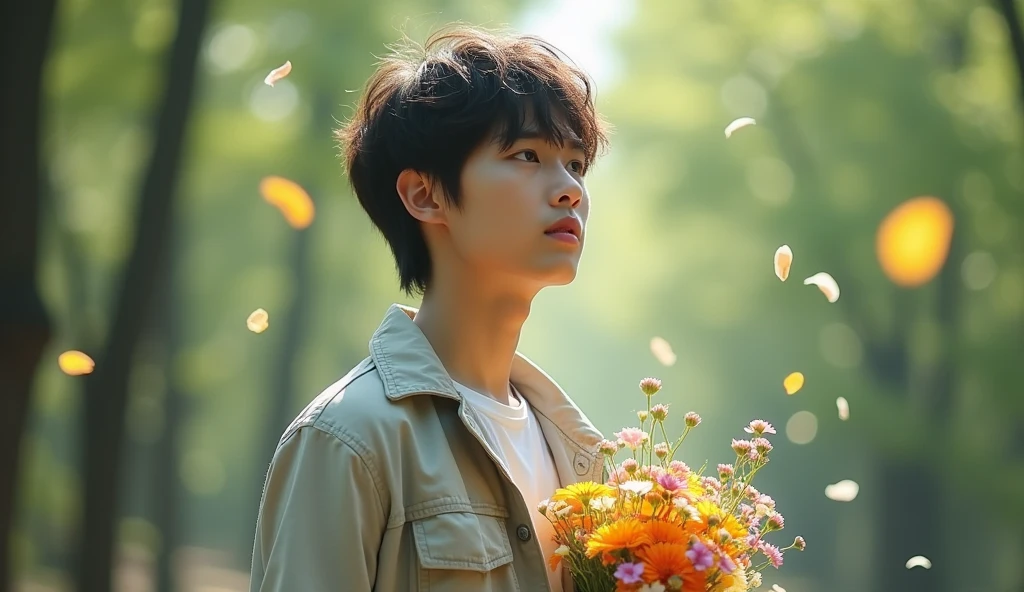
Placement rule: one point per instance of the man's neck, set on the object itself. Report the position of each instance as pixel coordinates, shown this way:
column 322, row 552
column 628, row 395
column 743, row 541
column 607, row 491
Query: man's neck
column 475, row 332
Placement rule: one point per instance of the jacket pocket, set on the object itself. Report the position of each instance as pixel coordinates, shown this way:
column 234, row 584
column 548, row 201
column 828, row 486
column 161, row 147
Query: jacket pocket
column 464, row 551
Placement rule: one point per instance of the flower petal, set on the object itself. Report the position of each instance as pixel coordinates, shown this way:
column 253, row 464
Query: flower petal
column 662, row 351
column 737, row 124
column 778, row 588
column 793, row 383
column 258, row 321
column 783, row 261
column 919, row 561
column 843, row 491
column 826, row 284
column 844, row 408
column 278, row 73
column 75, row 363
column 290, row 198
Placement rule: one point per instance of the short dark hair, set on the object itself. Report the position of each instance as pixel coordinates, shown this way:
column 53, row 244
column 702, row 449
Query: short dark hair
column 428, row 107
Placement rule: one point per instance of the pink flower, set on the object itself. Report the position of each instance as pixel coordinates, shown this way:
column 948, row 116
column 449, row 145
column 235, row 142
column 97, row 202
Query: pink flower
column 608, row 448
column 659, row 412
column 762, row 445
column 650, row 386
column 700, row 556
column 711, row 483
column 799, row 544
column 632, row 437
column 772, row 552
column 669, row 482
column 726, row 564
column 661, row 449
column 776, row 522
column 630, row 465
column 741, row 447
column 692, row 419
column 629, row 573
column 766, row 500
column 758, row 427
column 725, row 471
column 679, row 468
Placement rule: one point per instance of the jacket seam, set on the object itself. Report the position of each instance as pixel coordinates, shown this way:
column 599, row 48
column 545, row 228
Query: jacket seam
column 361, row 451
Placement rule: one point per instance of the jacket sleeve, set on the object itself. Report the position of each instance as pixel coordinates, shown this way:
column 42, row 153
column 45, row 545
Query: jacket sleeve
column 321, row 519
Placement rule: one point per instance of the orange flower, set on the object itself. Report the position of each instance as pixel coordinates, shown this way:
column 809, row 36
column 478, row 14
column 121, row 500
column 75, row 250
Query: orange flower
column 554, row 560
column 664, row 560
column 627, row 533
column 661, row 531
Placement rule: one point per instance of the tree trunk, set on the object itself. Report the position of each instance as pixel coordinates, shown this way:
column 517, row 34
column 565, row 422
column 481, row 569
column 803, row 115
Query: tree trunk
column 24, row 323
column 283, row 379
column 106, row 390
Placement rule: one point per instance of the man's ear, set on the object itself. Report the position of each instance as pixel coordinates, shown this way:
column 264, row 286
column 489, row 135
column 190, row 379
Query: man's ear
column 419, row 197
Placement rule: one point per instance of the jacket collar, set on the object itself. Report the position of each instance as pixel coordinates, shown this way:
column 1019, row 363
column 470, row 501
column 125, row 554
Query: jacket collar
column 409, row 366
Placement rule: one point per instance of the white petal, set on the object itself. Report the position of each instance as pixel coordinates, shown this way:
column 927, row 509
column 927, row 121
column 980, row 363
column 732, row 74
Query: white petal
column 662, row 351
column 919, row 561
column 778, row 588
column 737, row 124
column 258, row 321
column 844, row 491
column 783, row 261
column 278, row 73
column 826, row 284
column 844, row 408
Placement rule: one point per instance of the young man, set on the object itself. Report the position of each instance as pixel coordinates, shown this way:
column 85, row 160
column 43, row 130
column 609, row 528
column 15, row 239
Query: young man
column 423, row 467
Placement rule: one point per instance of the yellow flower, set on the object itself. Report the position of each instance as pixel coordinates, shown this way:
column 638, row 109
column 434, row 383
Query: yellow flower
column 578, row 495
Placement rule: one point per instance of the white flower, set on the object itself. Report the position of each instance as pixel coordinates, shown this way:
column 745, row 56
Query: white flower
column 761, row 510
column 755, row 580
column 637, row 487
column 603, row 503
column 686, row 509
column 653, row 587
column 564, row 512
column 562, row 551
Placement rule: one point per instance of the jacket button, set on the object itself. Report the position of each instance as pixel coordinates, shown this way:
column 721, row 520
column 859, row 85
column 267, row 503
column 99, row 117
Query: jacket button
column 523, row 532
column 581, row 463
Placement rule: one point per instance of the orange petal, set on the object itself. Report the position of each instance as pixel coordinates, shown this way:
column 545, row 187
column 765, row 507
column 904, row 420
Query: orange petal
column 737, row 124
column 295, row 204
column 843, row 408
column 278, row 73
column 826, row 284
column 783, row 261
column 75, row 363
column 258, row 321
column 662, row 351
column 844, row 491
column 793, row 383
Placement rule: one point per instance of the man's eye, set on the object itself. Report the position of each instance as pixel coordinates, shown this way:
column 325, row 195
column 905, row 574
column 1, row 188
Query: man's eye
column 527, row 155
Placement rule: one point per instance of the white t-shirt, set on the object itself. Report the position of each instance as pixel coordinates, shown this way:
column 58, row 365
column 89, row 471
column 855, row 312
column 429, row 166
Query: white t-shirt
column 517, row 438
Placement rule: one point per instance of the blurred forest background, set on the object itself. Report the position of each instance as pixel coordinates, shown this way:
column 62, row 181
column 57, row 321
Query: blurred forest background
column 135, row 137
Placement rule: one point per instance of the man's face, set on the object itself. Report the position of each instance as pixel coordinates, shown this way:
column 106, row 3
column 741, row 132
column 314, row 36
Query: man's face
column 523, row 210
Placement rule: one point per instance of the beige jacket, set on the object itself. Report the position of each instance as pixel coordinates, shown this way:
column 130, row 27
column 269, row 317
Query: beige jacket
column 385, row 482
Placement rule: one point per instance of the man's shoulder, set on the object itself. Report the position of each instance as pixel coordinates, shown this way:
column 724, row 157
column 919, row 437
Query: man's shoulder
column 350, row 406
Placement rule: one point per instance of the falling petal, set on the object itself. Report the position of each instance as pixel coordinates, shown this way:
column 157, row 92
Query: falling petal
column 258, row 321
column 278, row 73
column 919, row 561
column 844, row 408
column 295, row 204
column 793, row 383
column 778, row 588
column 662, row 351
column 75, row 363
column 737, row 124
column 912, row 242
column 783, row 261
column 844, row 491
column 826, row 284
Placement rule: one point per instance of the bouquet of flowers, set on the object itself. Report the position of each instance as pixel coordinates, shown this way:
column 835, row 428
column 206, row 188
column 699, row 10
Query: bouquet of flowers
column 657, row 525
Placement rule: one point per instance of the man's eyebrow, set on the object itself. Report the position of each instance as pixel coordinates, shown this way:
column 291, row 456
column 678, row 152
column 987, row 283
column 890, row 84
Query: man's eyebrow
column 535, row 134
